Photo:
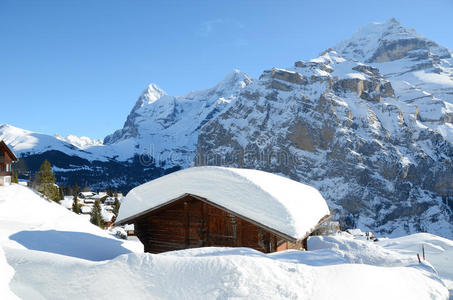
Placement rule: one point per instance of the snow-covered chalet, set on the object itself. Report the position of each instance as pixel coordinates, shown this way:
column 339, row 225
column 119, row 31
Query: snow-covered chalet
column 7, row 157
column 216, row 206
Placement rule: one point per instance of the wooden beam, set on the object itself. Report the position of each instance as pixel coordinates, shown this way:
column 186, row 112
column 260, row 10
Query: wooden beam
column 239, row 232
column 273, row 243
column 186, row 223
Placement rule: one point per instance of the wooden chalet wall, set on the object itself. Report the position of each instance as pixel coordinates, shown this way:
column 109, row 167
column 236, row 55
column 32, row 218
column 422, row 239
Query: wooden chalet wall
column 5, row 159
column 190, row 222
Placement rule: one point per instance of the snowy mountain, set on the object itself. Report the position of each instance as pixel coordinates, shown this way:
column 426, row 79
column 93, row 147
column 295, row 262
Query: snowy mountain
column 159, row 136
column 24, row 142
column 82, row 142
column 166, row 127
column 369, row 124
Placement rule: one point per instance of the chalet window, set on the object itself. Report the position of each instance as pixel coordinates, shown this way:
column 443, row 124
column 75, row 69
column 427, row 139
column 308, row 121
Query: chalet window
column 8, row 168
column 2, row 155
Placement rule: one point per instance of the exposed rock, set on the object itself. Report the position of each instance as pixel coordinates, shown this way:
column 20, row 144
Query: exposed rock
column 368, row 158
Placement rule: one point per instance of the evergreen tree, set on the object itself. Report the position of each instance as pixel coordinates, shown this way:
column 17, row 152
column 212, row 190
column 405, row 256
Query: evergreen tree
column 96, row 215
column 86, row 188
column 76, row 189
column 61, row 193
column 108, row 191
column 75, row 205
column 116, row 206
column 68, row 191
column 14, row 178
column 46, row 182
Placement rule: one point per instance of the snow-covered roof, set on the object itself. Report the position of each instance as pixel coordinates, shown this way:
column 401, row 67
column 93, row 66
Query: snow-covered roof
column 85, row 209
column 284, row 205
column 88, row 194
column 107, row 216
column 129, row 227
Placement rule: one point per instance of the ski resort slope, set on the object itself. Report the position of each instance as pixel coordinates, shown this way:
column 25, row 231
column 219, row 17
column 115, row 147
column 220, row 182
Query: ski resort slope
column 50, row 253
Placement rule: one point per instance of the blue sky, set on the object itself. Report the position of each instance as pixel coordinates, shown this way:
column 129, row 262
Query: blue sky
column 78, row 66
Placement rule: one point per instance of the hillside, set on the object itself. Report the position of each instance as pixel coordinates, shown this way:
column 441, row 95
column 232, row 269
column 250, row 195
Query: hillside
column 51, row 253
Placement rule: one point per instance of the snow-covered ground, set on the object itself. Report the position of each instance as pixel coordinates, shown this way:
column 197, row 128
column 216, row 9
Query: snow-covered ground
column 48, row 252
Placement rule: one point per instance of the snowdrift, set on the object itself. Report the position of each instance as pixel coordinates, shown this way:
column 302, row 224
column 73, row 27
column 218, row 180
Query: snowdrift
column 50, row 253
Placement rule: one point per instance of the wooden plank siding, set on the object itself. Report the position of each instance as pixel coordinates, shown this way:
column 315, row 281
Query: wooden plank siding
column 190, row 222
column 7, row 157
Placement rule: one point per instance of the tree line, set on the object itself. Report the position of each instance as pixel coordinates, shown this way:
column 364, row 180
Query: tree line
column 45, row 183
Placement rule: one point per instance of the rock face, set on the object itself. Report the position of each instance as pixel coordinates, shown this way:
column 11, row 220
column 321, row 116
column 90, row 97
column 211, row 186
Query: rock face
column 360, row 123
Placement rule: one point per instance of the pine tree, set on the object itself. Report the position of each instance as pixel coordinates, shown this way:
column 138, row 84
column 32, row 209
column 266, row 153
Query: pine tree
column 46, row 182
column 15, row 178
column 75, row 205
column 68, row 190
column 76, row 188
column 61, row 193
column 116, row 206
column 96, row 214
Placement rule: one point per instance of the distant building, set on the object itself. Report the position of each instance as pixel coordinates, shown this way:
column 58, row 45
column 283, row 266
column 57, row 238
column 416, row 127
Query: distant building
column 129, row 228
column 86, row 195
column 7, row 157
column 91, row 197
column 85, row 209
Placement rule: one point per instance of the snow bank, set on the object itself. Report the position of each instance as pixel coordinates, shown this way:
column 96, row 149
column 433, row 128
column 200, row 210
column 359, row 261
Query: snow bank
column 6, row 275
column 57, row 254
column 215, row 273
column 28, row 221
column 287, row 206
column 438, row 251
column 400, row 251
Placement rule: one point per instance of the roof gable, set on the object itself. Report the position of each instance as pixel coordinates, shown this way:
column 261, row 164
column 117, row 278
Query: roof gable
column 276, row 202
column 5, row 148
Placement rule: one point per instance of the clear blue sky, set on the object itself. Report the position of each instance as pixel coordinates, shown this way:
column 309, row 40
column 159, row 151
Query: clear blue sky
column 78, row 66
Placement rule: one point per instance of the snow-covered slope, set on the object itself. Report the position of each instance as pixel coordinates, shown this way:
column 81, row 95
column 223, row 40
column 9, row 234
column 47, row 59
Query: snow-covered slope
column 82, row 142
column 166, row 127
column 55, row 254
column 25, row 142
column 421, row 71
column 377, row 144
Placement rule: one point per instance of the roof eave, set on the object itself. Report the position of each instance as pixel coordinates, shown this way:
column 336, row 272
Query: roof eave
column 276, row 232
column 10, row 152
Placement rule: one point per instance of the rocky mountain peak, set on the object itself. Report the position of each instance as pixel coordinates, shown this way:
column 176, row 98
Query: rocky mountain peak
column 387, row 41
column 150, row 95
column 236, row 78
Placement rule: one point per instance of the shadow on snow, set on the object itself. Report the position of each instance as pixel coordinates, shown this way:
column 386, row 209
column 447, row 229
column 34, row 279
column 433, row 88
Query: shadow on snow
column 70, row 243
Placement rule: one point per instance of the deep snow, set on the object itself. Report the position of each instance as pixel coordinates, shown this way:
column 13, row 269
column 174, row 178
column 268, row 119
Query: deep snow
column 54, row 254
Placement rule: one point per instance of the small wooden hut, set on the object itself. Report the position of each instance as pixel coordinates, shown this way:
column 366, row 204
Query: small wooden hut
column 213, row 206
